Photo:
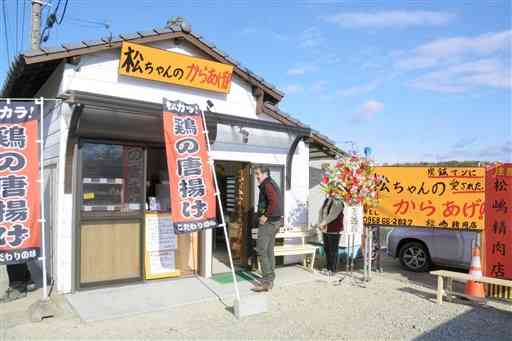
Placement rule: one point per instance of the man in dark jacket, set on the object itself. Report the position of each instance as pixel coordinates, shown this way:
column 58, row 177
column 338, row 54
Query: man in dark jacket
column 270, row 213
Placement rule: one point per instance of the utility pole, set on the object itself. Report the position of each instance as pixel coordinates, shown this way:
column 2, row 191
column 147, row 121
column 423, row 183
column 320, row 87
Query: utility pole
column 37, row 6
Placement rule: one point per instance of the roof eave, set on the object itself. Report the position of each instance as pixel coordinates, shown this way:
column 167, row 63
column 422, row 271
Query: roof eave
column 82, row 48
column 328, row 146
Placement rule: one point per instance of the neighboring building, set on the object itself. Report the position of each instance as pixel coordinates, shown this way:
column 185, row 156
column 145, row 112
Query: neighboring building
column 105, row 116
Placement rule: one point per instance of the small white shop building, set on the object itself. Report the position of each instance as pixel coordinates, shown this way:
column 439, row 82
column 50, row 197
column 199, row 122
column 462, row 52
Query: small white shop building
column 104, row 157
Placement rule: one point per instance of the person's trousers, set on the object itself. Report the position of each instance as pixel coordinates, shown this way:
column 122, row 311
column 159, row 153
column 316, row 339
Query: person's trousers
column 331, row 244
column 19, row 275
column 265, row 249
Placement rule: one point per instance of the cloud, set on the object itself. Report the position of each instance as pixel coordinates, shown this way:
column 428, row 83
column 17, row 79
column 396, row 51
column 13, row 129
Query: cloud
column 453, row 50
column 390, row 19
column 367, row 111
column 319, row 86
column 358, row 89
column 311, row 37
column 463, row 77
column 500, row 152
column 465, row 142
column 262, row 31
column 301, row 69
column 459, row 64
column 492, row 152
column 293, row 89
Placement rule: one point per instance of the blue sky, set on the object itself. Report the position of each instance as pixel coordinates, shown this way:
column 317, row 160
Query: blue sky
column 415, row 81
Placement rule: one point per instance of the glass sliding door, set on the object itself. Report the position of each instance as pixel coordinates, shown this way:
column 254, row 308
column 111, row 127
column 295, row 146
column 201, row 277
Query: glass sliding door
column 112, row 192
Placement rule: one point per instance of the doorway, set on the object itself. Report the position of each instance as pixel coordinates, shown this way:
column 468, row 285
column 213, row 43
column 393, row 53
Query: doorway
column 235, row 189
column 111, row 201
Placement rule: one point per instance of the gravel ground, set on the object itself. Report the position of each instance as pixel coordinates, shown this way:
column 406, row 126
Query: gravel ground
column 394, row 305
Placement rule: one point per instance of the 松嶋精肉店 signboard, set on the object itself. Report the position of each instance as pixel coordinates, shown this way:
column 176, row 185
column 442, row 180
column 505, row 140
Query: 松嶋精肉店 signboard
column 443, row 197
column 169, row 67
column 498, row 233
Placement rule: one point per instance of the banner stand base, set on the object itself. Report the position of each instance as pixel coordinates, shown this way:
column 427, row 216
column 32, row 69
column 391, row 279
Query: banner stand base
column 251, row 305
column 40, row 310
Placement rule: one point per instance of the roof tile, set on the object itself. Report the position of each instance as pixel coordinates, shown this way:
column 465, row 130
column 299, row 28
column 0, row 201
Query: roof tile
column 33, row 53
column 161, row 30
column 56, row 49
column 198, row 36
column 147, row 33
column 129, row 36
column 153, row 32
column 208, row 43
column 93, row 42
column 73, row 46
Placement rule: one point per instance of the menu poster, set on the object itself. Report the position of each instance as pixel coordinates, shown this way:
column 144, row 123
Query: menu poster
column 160, row 247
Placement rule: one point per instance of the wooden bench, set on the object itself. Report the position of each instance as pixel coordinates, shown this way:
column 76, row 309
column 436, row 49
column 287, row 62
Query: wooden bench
column 292, row 250
column 460, row 277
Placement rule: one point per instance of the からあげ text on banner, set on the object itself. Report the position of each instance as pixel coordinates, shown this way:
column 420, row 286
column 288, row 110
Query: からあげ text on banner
column 170, row 67
column 438, row 197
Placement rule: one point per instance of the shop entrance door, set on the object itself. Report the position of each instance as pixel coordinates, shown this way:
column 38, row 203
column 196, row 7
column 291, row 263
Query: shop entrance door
column 111, row 200
column 234, row 186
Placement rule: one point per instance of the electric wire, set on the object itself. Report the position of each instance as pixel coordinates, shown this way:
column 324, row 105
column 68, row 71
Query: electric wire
column 17, row 26
column 63, row 12
column 52, row 19
column 4, row 11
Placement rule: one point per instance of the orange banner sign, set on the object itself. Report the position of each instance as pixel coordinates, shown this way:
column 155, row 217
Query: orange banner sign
column 190, row 177
column 170, row 67
column 440, row 197
column 498, row 221
column 19, row 188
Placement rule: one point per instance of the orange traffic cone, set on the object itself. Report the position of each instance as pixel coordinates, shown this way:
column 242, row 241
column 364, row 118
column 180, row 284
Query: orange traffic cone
column 475, row 289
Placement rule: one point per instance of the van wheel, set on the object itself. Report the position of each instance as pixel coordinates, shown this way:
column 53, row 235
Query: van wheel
column 414, row 257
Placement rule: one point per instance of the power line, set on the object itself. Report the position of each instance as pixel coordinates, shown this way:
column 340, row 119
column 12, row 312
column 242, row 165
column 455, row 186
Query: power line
column 92, row 22
column 63, row 12
column 52, row 19
column 5, row 31
column 17, row 25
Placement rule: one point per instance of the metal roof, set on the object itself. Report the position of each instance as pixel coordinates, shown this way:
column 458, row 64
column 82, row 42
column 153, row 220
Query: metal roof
column 51, row 56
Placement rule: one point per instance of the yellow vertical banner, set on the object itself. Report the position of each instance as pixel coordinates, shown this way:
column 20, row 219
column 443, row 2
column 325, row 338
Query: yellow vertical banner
column 440, row 197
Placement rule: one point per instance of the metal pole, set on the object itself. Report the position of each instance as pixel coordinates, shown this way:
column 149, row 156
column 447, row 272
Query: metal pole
column 370, row 252
column 219, row 202
column 347, row 261
column 41, row 185
column 29, row 99
column 352, row 251
column 365, row 254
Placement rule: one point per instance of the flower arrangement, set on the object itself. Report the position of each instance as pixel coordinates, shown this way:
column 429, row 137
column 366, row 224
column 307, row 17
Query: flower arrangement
column 352, row 180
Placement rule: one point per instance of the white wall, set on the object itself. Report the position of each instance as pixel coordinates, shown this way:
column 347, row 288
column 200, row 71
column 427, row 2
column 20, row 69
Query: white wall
column 98, row 73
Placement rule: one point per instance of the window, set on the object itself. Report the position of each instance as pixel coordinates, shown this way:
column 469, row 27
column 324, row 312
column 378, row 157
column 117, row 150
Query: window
column 112, row 178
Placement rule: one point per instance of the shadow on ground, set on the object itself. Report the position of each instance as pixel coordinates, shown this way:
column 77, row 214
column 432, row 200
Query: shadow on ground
column 391, row 268
column 480, row 323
